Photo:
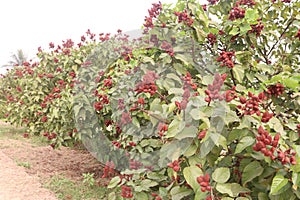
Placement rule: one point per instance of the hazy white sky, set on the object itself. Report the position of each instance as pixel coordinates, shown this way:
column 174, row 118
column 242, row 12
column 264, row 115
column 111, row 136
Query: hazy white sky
column 32, row 23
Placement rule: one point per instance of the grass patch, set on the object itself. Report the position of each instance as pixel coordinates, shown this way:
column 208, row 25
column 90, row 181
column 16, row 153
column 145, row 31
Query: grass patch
column 67, row 189
column 11, row 132
column 24, row 164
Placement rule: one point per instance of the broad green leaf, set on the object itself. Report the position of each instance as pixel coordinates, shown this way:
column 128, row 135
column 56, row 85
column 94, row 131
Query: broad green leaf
column 251, row 14
column 190, row 174
column 221, row 175
column 262, row 196
column 175, row 127
column 278, row 183
column 290, row 83
column 114, row 182
column 148, row 183
column 191, row 150
column 197, row 114
column 112, row 196
column 296, row 180
column 244, row 143
column 234, row 31
column 238, row 72
column 178, row 192
column 177, row 91
column 244, row 28
column 187, row 132
column 276, row 124
column 231, row 117
column 199, row 194
column 141, row 195
column 232, row 189
column 251, row 171
column 135, row 122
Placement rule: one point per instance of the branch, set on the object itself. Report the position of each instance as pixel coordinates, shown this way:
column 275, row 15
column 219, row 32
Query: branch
column 232, row 76
column 280, row 37
column 154, row 116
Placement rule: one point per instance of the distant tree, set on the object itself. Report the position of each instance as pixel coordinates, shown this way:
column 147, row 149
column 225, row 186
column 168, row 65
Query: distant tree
column 17, row 58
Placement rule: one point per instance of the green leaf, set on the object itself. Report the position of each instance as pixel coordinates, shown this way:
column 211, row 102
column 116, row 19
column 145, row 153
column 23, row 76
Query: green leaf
column 276, row 124
column 251, row 14
column 114, row 182
column 112, row 196
column 251, row 171
column 141, row 195
column 197, row 114
column 262, row 196
column 178, row 192
column 190, row 174
column 136, row 122
column 296, row 179
column 221, row 175
column 77, row 61
column 177, row 91
column 232, row 189
column 234, row 31
column 146, row 184
column 191, row 150
column 183, row 58
column 187, row 132
column 175, row 127
column 244, row 28
column 244, row 143
column 290, row 83
column 238, row 72
column 277, row 184
column 199, row 194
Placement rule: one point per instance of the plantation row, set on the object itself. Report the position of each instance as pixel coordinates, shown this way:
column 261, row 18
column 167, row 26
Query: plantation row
column 205, row 105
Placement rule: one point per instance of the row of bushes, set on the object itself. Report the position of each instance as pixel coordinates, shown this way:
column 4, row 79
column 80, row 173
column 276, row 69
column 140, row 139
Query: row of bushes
column 204, row 106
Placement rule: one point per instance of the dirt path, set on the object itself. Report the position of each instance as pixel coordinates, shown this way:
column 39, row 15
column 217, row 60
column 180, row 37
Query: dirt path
column 16, row 184
column 24, row 183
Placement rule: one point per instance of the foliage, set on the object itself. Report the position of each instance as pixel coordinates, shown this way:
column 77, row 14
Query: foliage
column 204, row 106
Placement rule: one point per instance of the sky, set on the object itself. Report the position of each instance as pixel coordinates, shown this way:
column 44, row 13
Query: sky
column 29, row 24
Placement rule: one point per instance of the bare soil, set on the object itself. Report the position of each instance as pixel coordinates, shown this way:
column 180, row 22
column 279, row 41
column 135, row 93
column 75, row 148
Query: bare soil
column 25, row 183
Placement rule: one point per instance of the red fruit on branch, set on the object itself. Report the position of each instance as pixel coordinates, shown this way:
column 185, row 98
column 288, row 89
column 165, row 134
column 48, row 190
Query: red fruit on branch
column 236, row 13
column 245, row 2
column 51, row 45
column 212, row 39
column 257, row 29
column 184, row 17
column 226, row 59
column 98, row 106
column 175, row 165
column 44, row 119
column 203, row 181
column 201, row 134
column 275, row 90
column 168, row 48
column 126, row 192
column 141, row 101
column 266, row 117
column 108, row 169
column 153, row 13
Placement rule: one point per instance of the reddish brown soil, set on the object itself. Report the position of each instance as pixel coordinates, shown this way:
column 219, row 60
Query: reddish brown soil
column 21, row 183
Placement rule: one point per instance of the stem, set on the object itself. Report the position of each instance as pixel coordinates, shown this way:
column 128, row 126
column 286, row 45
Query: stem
column 154, row 116
column 233, row 78
column 280, row 37
column 162, row 96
